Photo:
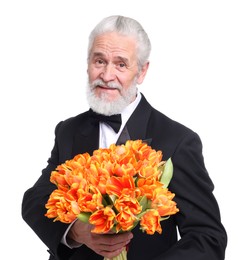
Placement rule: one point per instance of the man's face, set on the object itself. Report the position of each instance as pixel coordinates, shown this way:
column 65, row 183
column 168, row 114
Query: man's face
column 113, row 71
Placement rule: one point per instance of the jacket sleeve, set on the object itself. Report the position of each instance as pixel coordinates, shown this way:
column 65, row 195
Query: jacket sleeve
column 203, row 236
column 33, row 207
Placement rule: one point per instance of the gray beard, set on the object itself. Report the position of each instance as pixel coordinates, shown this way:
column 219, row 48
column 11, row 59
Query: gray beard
column 102, row 106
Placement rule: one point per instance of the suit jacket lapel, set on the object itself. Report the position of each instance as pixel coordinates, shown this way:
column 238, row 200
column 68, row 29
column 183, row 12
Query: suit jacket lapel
column 137, row 125
column 124, row 136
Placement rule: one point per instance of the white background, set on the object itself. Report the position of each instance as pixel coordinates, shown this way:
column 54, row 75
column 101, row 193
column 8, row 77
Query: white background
column 199, row 75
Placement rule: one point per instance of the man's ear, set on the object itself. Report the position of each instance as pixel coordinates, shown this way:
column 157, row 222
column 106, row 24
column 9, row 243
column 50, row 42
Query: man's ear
column 142, row 73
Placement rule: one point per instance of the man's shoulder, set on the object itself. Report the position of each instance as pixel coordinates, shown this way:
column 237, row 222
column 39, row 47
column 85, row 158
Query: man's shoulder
column 76, row 119
column 169, row 124
column 73, row 122
column 160, row 122
column 168, row 134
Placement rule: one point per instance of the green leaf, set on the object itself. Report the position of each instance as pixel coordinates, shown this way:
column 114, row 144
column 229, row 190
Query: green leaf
column 143, row 203
column 84, row 217
column 167, row 173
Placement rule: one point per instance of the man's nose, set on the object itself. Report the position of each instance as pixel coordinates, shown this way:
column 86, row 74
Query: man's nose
column 108, row 73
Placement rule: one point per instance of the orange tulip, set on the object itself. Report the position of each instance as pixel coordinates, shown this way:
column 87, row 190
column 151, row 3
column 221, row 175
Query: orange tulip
column 124, row 169
column 150, row 222
column 103, row 220
column 128, row 207
column 59, row 208
column 148, row 171
column 163, row 203
column 78, row 161
column 147, row 186
column 125, row 220
column 128, row 202
column 90, row 201
column 116, row 185
column 97, row 177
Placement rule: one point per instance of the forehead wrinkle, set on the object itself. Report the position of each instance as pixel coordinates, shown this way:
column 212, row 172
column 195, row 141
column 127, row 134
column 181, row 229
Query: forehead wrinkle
column 113, row 45
column 109, row 46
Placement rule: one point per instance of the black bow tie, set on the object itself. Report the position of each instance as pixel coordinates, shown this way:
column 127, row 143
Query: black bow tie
column 114, row 120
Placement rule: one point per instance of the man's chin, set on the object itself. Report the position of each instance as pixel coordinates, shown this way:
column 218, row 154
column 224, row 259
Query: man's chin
column 108, row 107
column 107, row 95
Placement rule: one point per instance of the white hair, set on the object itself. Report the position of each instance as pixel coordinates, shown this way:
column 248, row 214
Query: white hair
column 125, row 26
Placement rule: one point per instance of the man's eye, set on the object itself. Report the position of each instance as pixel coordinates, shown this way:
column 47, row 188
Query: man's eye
column 122, row 65
column 100, row 61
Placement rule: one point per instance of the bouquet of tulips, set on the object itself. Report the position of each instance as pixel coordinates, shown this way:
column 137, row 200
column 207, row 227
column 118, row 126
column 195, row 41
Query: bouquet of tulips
column 114, row 189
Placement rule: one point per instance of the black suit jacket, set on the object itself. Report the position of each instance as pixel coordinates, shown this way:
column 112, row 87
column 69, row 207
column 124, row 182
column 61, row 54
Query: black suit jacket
column 203, row 236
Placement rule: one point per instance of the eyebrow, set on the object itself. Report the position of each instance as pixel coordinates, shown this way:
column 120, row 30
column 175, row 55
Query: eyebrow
column 100, row 54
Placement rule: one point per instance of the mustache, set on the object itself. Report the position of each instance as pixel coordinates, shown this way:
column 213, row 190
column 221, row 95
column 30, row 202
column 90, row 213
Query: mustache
column 101, row 83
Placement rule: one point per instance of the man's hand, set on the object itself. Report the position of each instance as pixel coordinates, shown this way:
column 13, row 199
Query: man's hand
column 108, row 245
